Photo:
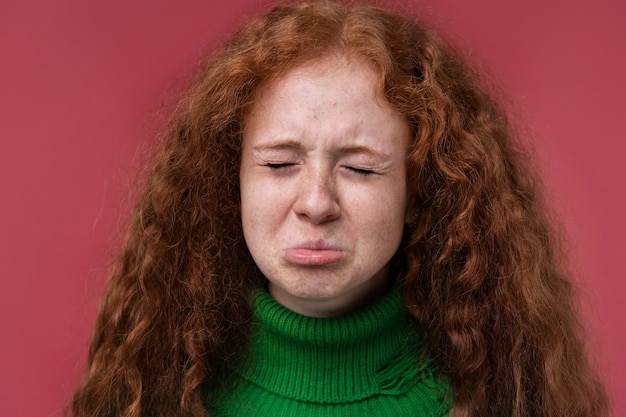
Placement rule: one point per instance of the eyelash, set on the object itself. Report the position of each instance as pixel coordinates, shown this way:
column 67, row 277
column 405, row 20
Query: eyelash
column 360, row 171
column 277, row 166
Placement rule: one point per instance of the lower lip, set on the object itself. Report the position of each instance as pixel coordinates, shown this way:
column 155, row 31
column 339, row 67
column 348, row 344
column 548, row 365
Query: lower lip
column 313, row 257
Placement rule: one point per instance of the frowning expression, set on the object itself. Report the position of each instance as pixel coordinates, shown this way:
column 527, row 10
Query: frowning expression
column 323, row 186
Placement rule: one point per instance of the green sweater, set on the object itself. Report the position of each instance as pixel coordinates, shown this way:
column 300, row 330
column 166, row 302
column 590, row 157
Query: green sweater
column 369, row 363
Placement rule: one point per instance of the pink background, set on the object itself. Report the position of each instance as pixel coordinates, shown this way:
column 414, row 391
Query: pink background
column 81, row 81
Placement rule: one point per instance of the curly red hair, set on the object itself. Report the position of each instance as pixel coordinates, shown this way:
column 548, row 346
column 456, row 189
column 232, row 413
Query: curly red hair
column 482, row 270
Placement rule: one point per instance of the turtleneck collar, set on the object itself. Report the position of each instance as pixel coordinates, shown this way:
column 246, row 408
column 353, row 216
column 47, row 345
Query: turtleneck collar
column 335, row 360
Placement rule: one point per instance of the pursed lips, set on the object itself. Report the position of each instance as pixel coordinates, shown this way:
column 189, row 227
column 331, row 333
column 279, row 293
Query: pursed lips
column 313, row 252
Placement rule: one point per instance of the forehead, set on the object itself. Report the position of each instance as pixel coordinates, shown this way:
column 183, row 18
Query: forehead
column 335, row 100
column 332, row 79
column 353, row 68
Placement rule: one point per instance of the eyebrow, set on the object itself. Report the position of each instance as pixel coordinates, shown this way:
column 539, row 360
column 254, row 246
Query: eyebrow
column 344, row 150
column 279, row 146
column 358, row 149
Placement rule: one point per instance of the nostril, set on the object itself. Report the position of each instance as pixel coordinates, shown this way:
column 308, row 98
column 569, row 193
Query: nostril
column 317, row 202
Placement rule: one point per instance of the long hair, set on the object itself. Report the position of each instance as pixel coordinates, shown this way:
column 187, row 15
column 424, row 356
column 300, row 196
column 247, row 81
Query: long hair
column 482, row 269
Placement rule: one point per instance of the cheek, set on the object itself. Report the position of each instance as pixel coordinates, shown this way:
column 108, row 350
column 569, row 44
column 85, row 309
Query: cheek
column 385, row 206
column 387, row 219
column 259, row 209
column 379, row 227
column 249, row 206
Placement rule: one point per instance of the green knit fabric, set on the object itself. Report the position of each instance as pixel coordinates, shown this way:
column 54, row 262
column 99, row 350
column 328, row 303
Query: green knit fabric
column 369, row 363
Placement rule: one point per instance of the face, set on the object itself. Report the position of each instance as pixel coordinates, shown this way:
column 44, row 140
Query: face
column 323, row 186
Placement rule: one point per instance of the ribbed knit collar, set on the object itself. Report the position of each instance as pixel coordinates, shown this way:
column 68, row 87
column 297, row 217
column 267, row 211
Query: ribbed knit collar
column 331, row 360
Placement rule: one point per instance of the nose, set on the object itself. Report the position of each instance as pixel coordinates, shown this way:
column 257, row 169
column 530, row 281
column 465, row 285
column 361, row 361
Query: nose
column 317, row 200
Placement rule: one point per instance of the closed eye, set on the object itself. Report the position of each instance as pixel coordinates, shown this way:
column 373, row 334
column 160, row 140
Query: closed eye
column 361, row 171
column 277, row 166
